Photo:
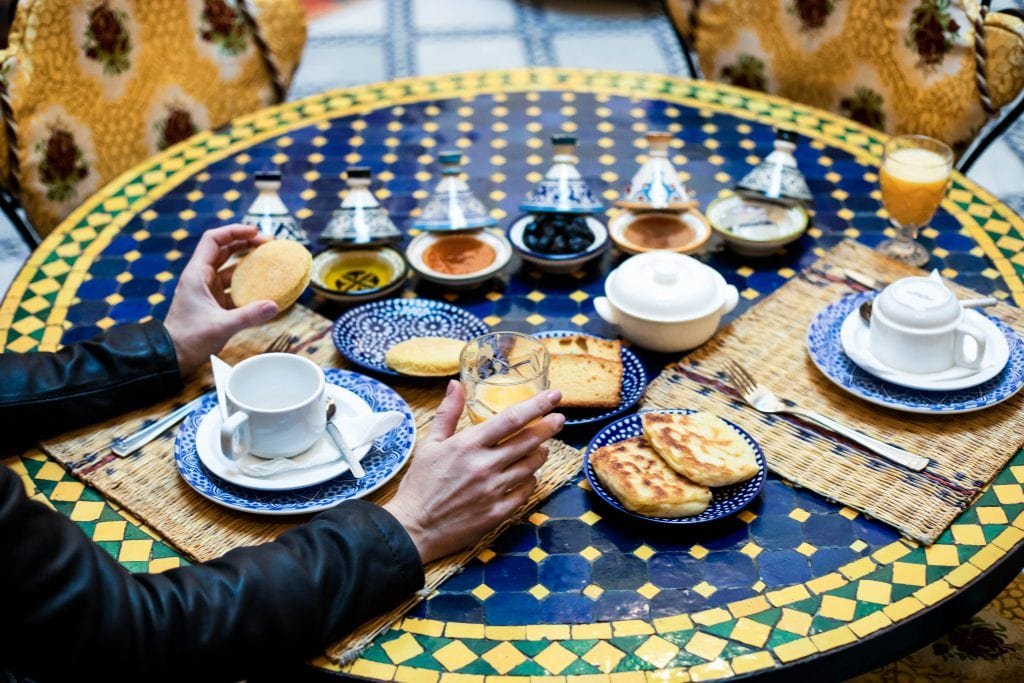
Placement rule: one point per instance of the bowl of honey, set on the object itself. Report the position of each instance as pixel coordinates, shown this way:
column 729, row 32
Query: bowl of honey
column 680, row 231
column 459, row 260
column 357, row 275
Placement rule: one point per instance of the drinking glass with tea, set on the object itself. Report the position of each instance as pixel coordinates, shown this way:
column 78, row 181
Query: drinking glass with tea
column 501, row 369
column 914, row 176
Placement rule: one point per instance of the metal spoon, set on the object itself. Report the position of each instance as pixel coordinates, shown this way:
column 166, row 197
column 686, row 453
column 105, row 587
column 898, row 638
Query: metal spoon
column 353, row 462
column 865, row 308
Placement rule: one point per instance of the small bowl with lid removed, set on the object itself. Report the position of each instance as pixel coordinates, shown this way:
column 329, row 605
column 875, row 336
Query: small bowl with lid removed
column 664, row 301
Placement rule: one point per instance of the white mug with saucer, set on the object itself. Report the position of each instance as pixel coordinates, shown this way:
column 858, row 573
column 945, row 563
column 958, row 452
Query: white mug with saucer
column 917, row 325
column 276, row 407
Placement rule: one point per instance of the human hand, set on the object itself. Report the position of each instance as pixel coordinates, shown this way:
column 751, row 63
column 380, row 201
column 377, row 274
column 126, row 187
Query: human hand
column 202, row 317
column 460, row 486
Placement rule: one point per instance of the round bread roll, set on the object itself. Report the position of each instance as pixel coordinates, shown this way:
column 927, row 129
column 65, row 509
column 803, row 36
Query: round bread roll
column 425, row 356
column 278, row 270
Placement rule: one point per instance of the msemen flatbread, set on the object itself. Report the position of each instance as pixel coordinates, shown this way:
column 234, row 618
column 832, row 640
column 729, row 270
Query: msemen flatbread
column 278, row 270
column 425, row 356
column 638, row 477
column 701, row 447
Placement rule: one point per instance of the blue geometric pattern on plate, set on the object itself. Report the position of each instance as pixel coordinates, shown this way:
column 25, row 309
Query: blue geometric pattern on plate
column 385, row 459
column 725, row 500
column 364, row 334
column 826, row 350
column 634, row 381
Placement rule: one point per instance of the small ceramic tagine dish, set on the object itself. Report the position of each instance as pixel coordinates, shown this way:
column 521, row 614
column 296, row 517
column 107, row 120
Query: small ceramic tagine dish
column 656, row 186
column 452, row 205
column 665, row 302
column 753, row 227
column 459, row 260
column 360, row 219
column 358, row 275
column 558, row 243
column 638, row 232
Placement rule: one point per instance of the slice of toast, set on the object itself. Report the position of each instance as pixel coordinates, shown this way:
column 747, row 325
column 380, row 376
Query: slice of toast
column 587, row 370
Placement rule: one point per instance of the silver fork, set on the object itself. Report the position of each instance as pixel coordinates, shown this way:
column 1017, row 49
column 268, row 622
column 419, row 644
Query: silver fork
column 124, row 446
column 763, row 399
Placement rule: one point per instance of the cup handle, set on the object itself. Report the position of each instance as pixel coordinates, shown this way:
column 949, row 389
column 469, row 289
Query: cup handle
column 732, row 297
column 235, row 437
column 605, row 310
column 967, row 330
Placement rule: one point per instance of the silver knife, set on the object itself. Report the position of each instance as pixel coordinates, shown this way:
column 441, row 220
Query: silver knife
column 125, row 446
column 353, row 462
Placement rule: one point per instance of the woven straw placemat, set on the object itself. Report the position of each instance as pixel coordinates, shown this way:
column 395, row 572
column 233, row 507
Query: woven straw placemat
column 147, row 484
column 966, row 450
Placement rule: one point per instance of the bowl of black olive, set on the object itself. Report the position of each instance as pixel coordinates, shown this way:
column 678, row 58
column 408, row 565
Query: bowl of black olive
column 558, row 242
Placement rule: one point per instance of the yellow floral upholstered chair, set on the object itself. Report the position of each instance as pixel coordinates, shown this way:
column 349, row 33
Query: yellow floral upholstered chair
column 93, row 87
column 896, row 65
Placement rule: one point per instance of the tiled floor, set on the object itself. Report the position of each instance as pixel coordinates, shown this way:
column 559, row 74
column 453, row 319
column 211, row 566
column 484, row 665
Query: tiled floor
column 360, row 41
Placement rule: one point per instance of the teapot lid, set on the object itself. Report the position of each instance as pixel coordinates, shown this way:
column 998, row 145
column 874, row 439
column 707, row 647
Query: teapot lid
column 665, row 286
column 919, row 302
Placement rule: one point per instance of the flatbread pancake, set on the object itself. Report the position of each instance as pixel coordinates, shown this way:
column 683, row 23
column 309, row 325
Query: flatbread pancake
column 701, row 447
column 639, row 478
column 425, row 356
column 278, row 270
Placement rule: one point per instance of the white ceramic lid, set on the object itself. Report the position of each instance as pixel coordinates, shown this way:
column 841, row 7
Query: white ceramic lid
column 922, row 303
column 665, row 286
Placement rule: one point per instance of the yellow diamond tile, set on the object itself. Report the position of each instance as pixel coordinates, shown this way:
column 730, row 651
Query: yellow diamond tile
column 593, row 591
column 591, row 553
column 794, row 621
column 535, row 296
column 786, row 596
column 604, row 656
column 67, row 491
column 504, row 658
column 1018, row 473
column 579, row 320
column 486, row 555
column 968, row 534
column 835, row 607
column 705, row 589
column 454, row 655
column 750, row 632
column 698, row 552
column 858, row 546
column 648, row 590
column 750, row 293
column 555, row 658
column 162, row 564
column 1009, row 494
column 539, row 592
column 705, row 645
column 751, row 549
column 644, row 552
column 890, row 553
column 806, row 549
column 86, row 511
column 493, row 296
column 678, row 622
column 114, row 299
column 755, row 661
column 483, row 591
column 743, row 608
column 941, row 555
column 711, row 617
column 536, row 554
column 55, row 268
column 579, row 296
column 908, row 574
column 800, row 515
column 402, row 648
column 164, row 276
column 27, row 326
column 112, row 530
column 874, row 591
column 538, row 518
column 746, row 516
column 369, row 669
column 51, row 471
column 492, row 320
column 590, row 517
column 135, row 551
column 858, row 568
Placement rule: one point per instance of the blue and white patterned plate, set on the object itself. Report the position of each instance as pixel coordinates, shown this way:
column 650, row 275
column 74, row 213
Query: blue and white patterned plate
column 725, row 500
column 634, row 381
column 386, row 458
column 364, row 334
column 826, row 350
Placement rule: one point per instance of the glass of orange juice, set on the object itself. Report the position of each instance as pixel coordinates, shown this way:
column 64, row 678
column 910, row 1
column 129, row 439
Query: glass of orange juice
column 914, row 177
column 501, row 369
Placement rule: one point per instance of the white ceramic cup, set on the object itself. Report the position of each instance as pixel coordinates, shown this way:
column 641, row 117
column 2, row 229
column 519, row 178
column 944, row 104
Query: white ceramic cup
column 276, row 406
column 917, row 325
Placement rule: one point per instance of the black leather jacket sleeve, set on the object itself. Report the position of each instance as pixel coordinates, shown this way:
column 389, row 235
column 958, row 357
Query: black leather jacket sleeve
column 42, row 394
column 73, row 613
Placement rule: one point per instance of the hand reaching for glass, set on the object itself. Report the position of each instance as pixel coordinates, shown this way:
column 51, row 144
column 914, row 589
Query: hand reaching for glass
column 461, row 485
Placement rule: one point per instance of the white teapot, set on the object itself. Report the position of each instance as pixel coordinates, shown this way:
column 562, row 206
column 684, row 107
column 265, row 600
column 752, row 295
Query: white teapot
column 665, row 301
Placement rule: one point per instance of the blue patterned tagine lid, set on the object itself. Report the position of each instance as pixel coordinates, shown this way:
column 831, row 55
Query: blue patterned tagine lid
column 361, row 219
column 453, row 206
column 269, row 213
column 563, row 189
column 777, row 178
column 656, row 186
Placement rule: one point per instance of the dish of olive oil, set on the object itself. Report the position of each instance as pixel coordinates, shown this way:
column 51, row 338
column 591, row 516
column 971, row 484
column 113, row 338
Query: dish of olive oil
column 359, row 273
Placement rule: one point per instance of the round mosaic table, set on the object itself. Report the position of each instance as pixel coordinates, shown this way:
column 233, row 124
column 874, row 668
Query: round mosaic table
column 792, row 584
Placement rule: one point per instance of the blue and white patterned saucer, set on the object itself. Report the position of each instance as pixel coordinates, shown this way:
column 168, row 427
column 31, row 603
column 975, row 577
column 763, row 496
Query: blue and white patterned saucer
column 364, row 334
column 386, row 458
column 825, row 346
column 725, row 500
column 634, row 381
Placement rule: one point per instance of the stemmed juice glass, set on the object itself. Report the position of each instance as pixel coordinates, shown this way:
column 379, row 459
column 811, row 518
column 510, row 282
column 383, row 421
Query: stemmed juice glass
column 501, row 369
column 914, row 176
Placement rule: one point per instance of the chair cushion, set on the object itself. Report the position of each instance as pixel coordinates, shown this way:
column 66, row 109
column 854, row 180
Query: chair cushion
column 97, row 86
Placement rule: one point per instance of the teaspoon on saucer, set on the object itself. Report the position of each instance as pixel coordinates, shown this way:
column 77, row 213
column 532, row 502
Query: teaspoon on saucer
column 865, row 308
